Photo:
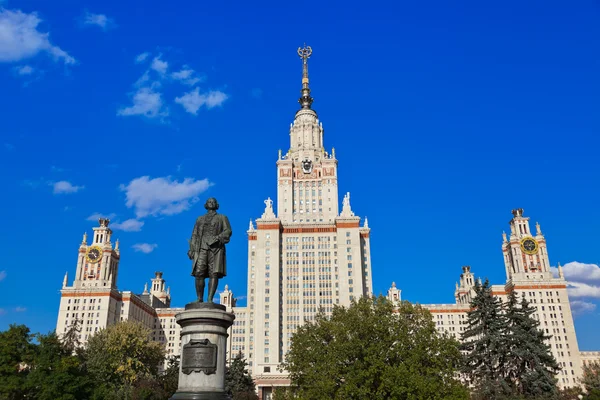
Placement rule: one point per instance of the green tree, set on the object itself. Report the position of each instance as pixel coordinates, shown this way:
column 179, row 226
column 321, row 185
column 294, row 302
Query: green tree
column 531, row 365
column 57, row 374
column 120, row 356
column 485, row 346
column 169, row 380
column 16, row 357
column 238, row 382
column 373, row 351
column 591, row 380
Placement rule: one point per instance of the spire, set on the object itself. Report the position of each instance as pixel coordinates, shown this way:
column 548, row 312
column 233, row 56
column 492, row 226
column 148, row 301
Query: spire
column 561, row 274
column 66, row 279
column 145, row 288
column 84, row 240
column 305, row 100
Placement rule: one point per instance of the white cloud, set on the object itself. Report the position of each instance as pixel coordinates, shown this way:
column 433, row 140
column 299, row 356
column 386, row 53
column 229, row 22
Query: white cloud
column 129, row 225
column 144, row 247
column 185, row 75
column 162, row 196
column 20, row 309
column 20, row 38
column 193, row 100
column 579, row 307
column 146, row 102
column 96, row 216
column 2, row 275
column 159, row 65
column 64, row 187
column 583, row 280
column 24, row 70
column 140, row 58
column 100, row 20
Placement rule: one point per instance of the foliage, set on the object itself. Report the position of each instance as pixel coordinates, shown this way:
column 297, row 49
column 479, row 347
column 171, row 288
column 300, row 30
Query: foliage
column 238, row 382
column 121, row 356
column 484, row 341
column 371, row 351
column 16, row 356
column 591, row 380
column 507, row 356
column 531, row 365
column 169, row 380
column 56, row 373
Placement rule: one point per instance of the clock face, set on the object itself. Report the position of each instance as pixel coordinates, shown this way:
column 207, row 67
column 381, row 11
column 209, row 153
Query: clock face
column 93, row 254
column 529, row 246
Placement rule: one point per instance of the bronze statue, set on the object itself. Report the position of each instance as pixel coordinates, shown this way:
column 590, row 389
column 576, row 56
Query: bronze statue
column 207, row 249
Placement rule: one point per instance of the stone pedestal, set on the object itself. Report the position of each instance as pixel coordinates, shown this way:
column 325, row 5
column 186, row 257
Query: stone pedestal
column 203, row 351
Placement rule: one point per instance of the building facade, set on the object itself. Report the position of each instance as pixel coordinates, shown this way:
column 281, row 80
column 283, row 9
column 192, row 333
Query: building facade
column 528, row 273
column 93, row 302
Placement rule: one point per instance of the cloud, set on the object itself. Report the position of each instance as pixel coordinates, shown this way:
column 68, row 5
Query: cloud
column 140, row 58
column 2, row 311
column 100, row 20
column 579, row 307
column 2, row 275
column 129, row 225
column 146, row 102
column 193, row 100
column 24, row 70
column 583, row 280
column 96, row 216
column 185, row 76
column 9, row 147
column 159, row 65
column 144, row 247
column 64, row 187
column 20, row 309
column 162, row 196
column 21, row 40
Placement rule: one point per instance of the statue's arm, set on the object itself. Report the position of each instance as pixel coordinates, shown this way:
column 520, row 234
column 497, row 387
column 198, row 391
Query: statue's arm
column 226, row 234
column 193, row 241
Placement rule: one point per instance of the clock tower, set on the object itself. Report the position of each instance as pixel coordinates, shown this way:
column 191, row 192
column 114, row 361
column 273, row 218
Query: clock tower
column 98, row 262
column 525, row 254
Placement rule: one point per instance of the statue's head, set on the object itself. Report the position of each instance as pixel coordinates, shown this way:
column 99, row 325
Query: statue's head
column 211, row 204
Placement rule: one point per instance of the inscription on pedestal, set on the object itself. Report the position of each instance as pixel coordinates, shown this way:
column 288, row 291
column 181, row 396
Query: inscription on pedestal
column 199, row 355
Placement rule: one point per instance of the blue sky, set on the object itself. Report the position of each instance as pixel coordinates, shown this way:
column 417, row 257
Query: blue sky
column 444, row 117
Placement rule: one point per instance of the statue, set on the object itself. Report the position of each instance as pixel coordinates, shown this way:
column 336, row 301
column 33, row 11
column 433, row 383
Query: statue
column 207, row 249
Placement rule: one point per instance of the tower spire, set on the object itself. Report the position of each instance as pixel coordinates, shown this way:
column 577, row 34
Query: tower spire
column 305, row 100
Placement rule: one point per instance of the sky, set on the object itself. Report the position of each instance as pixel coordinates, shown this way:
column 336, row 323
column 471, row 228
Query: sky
column 444, row 115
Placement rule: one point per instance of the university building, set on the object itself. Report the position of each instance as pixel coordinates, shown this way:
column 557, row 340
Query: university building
column 527, row 273
column 306, row 255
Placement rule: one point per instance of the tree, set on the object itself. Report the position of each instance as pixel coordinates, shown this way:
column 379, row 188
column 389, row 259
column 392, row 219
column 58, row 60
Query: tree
column 16, row 356
column 238, row 382
column 169, row 380
column 56, row 373
column 372, row 351
column 485, row 346
column 531, row 365
column 591, row 380
column 120, row 356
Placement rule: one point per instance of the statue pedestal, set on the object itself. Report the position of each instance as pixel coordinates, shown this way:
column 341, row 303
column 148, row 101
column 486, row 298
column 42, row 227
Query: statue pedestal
column 203, row 351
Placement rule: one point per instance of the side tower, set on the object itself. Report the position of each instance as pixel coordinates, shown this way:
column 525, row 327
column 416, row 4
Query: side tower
column 92, row 302
column 528, row 273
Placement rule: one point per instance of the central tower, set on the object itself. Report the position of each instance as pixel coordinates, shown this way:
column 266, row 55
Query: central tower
column 306, row 257
column 307, row 175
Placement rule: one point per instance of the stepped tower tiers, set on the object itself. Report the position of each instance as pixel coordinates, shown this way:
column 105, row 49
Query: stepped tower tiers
column 98, row 262
column 525, row 255
column 306, row 255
